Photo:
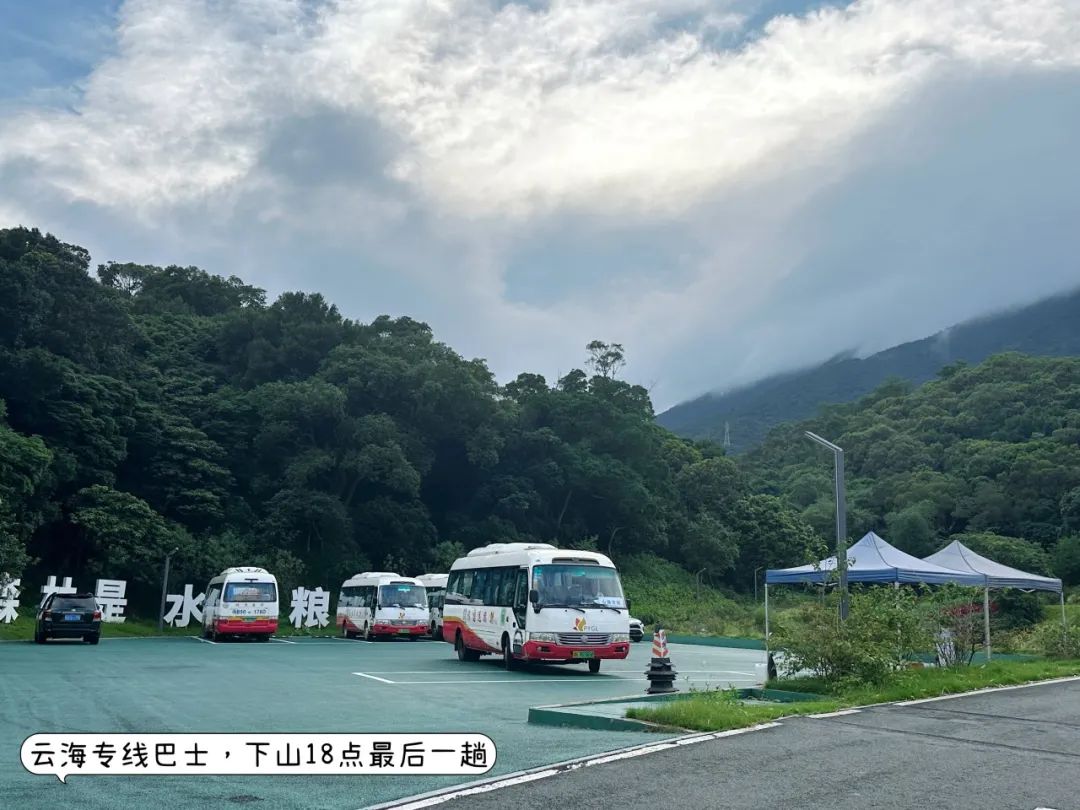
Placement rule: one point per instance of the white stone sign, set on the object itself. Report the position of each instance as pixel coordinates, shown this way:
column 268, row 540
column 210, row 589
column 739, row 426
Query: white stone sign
column 110, row 598
column 9, row 600
column 310, row 608
column 185, row 607
column 51, row 587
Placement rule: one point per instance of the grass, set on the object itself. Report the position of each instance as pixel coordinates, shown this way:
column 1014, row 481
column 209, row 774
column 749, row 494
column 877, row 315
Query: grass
column 720, row 711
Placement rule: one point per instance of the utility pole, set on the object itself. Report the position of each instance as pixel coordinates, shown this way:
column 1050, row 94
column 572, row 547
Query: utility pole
column 164, row 589
column 841, row 519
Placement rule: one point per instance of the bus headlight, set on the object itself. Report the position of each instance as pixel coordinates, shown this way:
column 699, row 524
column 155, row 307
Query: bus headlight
column 551, row 637
column 617, row 637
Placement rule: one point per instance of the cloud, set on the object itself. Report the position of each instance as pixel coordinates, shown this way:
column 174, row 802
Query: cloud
column 726, row 191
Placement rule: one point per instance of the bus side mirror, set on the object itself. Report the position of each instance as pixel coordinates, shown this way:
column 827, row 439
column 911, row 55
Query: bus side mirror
column 534, row 596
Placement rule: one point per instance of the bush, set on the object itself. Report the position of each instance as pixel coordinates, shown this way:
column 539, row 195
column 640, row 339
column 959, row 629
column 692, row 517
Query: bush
column 1055, row 641
column 884, row 628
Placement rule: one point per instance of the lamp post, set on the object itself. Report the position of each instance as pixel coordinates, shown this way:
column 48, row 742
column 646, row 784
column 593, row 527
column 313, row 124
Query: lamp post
column 164, row 588
column 841, row 520
column 699, row 573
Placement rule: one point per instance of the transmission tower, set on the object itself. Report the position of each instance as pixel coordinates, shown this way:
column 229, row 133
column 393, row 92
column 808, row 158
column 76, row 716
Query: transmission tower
column 727, row 436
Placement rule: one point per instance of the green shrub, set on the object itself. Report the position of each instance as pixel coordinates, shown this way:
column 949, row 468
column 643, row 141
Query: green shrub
column 884, row 628
column 1055, row 641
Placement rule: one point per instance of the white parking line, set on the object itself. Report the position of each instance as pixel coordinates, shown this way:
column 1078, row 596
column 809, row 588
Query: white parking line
column 203, row 640
column 282, row 640
column 353, row 640
column 373, row 677
column 840, row 713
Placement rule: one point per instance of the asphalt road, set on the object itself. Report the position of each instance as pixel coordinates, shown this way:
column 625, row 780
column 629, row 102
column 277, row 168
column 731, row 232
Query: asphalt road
column 1001, row 750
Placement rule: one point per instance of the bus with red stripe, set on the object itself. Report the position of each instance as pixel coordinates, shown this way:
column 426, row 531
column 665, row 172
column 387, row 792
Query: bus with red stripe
column 533, row 602
column 241, row 601
column 382, row 604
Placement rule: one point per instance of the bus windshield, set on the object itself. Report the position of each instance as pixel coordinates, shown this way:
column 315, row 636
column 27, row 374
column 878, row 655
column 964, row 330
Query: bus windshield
column 402, row 596
column 249, row 592
column 578, row 586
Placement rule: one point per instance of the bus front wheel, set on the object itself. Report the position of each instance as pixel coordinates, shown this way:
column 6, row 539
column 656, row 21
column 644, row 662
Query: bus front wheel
column 594, row 665
column 509, row 663
column 463, row 652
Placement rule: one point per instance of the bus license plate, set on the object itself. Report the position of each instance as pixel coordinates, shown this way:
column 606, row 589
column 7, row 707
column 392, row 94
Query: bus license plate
column 72, row 617
column 583, row 653
column 403, row 631
column 250, row 619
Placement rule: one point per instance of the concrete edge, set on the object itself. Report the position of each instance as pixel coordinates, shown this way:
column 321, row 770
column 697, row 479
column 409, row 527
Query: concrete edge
column 570, row 715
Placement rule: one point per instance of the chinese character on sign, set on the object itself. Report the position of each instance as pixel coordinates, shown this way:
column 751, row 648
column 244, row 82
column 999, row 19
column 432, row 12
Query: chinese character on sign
column 350, row 757
column 110, row 597
column 51, row 587
column 9, row 599
column 75, row 753
column 381, row 755
column 412, row 755
column 310, row 608
column 474, row 755
column 184, row 607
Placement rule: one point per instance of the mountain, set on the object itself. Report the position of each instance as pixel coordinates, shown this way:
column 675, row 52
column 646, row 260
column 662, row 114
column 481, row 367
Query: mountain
column 1048, row 328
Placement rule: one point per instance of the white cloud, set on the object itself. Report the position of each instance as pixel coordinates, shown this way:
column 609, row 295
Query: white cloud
column 469, row 126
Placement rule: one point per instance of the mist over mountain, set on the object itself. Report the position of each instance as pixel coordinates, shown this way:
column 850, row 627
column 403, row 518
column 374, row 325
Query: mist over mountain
column 1048, row 328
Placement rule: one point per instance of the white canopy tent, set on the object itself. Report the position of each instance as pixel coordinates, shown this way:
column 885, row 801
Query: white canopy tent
column 995, row 575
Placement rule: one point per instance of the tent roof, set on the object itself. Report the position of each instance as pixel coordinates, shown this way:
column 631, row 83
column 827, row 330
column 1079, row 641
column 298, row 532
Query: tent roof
column 874, row 560
column 957, row 555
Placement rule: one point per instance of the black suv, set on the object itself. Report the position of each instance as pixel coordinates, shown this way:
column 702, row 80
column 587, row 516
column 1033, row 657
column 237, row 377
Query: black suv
column 70, row 615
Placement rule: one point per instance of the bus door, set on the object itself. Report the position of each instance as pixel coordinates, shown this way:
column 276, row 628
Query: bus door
column 521, row 607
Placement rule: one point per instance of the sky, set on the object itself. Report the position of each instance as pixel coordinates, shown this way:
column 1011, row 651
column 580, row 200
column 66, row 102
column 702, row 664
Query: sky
column 728, row 188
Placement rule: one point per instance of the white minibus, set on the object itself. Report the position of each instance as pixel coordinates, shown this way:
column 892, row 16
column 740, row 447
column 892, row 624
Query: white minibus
column 535, row 602
column 241, row 602
column 435, row 585
column 380, row 604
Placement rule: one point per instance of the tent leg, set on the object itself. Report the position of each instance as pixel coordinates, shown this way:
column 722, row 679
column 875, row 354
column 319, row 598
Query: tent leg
column 766, row 618
column 986, row 620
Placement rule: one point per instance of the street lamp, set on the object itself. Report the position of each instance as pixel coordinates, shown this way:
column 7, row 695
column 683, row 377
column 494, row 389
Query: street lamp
column 699, row 573
column 164, row 588
column 841, row 520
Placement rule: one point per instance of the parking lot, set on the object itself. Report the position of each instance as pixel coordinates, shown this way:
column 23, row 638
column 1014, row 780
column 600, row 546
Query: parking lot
column 305, row 685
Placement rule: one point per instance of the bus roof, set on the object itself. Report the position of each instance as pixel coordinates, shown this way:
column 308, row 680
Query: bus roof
column 502, row 554
column 507, row 548
column 434, row 580
column 244, row 570
column 381, row 577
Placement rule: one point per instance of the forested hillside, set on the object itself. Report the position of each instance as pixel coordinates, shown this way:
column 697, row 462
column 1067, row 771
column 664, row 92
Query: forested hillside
column 990, row 453
column 1048, row 328
column 156, row 408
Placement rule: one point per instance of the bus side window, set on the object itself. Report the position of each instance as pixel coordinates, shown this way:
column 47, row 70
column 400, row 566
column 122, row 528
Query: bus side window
column 521, row 590
column 466, row 585
column 506, row 591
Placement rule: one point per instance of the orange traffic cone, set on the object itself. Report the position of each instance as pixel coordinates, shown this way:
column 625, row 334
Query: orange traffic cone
column 660, row 673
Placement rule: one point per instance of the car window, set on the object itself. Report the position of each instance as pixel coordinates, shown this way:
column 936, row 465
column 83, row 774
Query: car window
column 71, row 603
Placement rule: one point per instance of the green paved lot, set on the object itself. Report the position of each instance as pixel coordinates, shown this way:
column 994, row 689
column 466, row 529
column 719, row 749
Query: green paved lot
column 309, row 685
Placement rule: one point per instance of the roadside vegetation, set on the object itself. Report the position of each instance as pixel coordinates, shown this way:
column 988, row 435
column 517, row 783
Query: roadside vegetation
column 877, row 656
